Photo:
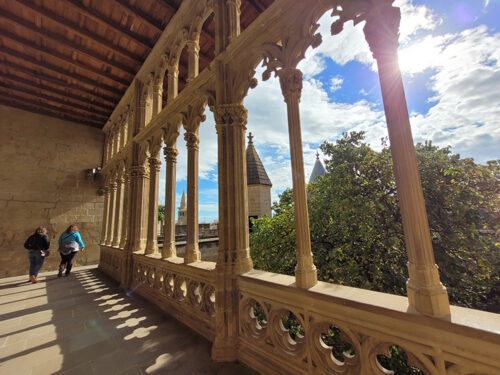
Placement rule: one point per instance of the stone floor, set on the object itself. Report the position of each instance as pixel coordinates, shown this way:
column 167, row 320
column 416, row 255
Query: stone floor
column 84, row 324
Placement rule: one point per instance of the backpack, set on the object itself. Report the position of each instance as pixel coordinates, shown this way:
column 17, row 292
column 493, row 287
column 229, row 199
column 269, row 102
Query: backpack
column 31, row 243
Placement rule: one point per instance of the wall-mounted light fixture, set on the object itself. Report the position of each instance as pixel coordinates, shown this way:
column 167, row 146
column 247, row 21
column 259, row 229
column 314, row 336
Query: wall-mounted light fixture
column 91, row 174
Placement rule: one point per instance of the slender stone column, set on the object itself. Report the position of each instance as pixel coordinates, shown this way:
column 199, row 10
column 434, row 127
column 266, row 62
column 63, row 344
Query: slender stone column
column 173, row 81
column 123, row 132
column 117, row 139
column 118, row 212
column 425, row 292
column 291, row 86
column 234, row 252
column 193, row 49
column 192, row 250
column 111, row 213
column 157, row 95
column 126, row 210
column 105, row 213
column 169, row 249
column 233, row 9
column 154, row 172
column 140, row 177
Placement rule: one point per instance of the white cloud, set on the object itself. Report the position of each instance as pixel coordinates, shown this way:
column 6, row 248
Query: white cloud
column 336, row 83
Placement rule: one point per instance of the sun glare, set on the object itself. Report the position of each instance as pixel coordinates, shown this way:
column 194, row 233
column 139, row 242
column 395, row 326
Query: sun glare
column 419, row 56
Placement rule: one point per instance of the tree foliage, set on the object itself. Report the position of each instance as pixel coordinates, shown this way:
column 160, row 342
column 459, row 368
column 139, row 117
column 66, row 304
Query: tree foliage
column 356, row 229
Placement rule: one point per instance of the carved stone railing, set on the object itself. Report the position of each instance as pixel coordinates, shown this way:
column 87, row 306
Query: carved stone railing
column 186, row 292
column 366, row 323
column 112, row 262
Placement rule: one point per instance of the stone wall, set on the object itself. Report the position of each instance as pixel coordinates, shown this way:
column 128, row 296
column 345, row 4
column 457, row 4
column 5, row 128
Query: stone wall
column 259, row 200
column 42, row 173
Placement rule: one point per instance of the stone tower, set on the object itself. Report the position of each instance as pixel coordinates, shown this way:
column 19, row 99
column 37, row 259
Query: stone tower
column 259, row 184
column 318, row 169
column 182, row 213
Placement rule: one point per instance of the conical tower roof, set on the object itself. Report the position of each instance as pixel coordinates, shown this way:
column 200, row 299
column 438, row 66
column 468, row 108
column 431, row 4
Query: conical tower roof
column 318, row 169
column 183, row 200
column 256, row 173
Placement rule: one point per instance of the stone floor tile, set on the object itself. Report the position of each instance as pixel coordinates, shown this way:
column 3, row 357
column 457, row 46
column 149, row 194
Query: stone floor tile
column 85, row 324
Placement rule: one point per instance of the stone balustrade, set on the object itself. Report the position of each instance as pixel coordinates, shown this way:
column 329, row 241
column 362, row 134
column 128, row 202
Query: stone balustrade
column 368, row 323
column 276, row 324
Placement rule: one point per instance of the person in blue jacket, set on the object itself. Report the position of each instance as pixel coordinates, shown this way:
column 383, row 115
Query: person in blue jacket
column 70, row 242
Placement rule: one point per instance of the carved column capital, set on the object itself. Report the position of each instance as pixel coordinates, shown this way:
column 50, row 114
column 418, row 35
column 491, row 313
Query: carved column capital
column 290, row 82
column 231, row 114
column 139, row 171
column 154, row 164
column 193, row 46
column 192, row 140
column 170, row 154
column 113, row 186
column 382, row 31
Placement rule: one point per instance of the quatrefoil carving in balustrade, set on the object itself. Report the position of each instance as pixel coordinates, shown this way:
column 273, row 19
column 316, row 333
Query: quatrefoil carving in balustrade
column 253, row 318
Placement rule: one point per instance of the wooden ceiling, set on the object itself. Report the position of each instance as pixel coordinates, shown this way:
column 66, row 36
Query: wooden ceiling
column 74, row 59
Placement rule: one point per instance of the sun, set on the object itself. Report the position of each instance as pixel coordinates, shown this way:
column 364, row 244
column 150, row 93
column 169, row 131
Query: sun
column 420, row 55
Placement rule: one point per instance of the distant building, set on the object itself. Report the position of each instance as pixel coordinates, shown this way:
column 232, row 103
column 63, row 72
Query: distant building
column 318, row 169
column 182, row 212
column 258, row 182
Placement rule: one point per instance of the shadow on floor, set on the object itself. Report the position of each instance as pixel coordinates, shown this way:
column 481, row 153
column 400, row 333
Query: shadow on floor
column 85, row 324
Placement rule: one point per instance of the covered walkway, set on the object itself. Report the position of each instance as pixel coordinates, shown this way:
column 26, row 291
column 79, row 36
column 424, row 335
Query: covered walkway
column 85, row 324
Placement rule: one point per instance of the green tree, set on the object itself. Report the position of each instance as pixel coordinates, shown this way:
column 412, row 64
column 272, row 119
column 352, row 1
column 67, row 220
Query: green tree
column 356, row 230
column 161, row 212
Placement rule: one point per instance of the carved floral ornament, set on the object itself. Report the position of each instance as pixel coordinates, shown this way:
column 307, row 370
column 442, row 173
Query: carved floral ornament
column 230, row 114
column 170, row 153
column 192, row 140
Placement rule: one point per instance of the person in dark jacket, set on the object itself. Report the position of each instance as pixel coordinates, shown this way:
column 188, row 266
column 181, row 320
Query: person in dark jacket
column 38, row 245
column 70, row 242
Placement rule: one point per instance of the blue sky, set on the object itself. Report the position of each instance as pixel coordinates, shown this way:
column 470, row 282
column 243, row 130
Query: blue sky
column 450, row 61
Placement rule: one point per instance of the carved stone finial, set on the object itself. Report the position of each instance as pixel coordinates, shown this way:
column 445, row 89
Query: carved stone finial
column 250, row 138
column 317, row 155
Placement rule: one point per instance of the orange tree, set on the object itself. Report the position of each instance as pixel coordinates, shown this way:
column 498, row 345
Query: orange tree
column 356, row 231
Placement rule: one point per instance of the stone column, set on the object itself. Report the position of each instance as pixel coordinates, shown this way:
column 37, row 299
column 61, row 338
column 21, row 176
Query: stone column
column 291, row 86
column 118, row 212
column 193, row 49
column 169, row 249
column 140, row 177
column 105, row 213
column 158, row 94
column 117, row 139
column 154, row 172
column 425, row 292
column 123, row 131
column 111, row 213
column 126, row 209
column 233, row 9
column 173, row 81
column 192, row 251
column 234, row 253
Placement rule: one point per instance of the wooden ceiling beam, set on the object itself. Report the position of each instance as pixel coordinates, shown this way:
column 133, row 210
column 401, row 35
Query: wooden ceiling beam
column 103, row 20
column 52, row 53
column 46, row 99
column 56, row 81
column 64, row 94
column 38, row 94
column 59, row 70
column 141, row 15
column 49, row 35
column 75, row 28
column 39, row 110
column 257, row 5
column 48, row 109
